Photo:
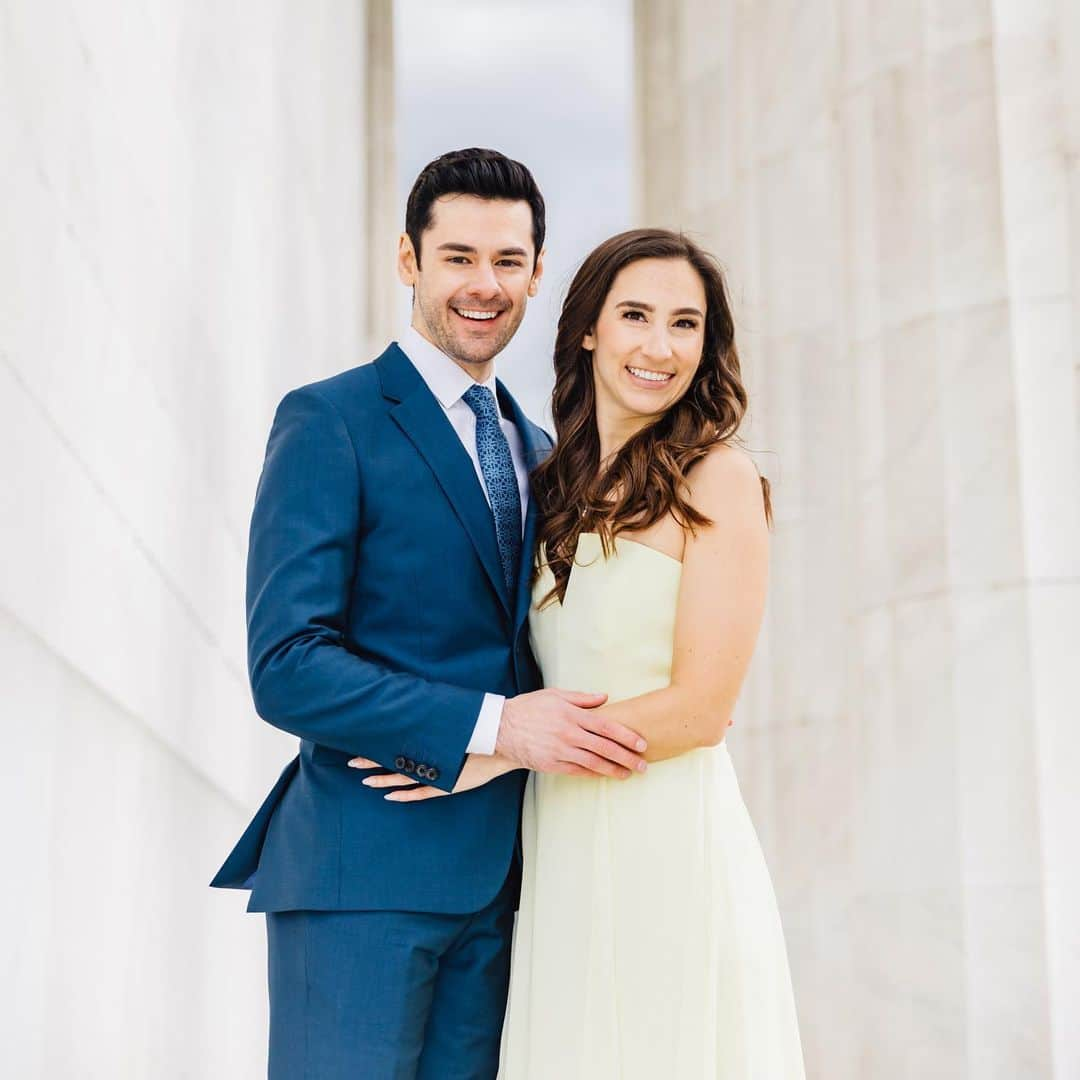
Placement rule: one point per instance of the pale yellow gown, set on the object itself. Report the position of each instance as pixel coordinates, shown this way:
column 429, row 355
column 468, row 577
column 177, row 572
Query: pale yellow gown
column 648, row 944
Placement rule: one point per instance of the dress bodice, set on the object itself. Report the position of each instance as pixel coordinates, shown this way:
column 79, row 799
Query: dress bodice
column 615, row 629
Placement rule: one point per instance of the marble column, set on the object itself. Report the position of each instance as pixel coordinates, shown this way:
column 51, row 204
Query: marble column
column 191, row 193
column 895, row 192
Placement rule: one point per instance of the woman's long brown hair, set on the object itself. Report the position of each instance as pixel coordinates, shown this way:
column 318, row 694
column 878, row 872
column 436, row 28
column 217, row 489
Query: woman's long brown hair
column 646, row 478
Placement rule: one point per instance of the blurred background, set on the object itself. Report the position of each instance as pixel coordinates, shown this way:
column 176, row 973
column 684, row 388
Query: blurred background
column 199, row 210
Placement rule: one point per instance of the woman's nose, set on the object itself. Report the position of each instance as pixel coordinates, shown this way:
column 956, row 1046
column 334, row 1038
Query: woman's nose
column 657, row 345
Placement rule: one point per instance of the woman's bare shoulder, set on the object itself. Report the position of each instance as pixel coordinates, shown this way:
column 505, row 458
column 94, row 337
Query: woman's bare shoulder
column 726, row 475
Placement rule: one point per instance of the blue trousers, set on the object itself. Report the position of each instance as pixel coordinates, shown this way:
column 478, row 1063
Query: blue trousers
column 388, row 995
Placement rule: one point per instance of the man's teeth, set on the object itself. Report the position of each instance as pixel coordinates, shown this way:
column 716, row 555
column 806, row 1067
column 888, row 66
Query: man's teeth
column 476, row 314
column 652, row 376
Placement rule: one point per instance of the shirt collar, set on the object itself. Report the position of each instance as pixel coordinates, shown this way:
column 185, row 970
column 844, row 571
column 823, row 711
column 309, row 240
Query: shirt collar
column 445, row 379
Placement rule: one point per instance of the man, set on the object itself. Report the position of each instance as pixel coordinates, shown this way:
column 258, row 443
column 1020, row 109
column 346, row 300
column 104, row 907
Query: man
column 388, row 573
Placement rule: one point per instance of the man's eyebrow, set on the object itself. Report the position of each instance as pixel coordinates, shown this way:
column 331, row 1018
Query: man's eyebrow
column 649, row 308
column 466, row 249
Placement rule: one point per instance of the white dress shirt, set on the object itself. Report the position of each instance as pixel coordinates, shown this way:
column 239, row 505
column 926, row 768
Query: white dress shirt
column 448, row 381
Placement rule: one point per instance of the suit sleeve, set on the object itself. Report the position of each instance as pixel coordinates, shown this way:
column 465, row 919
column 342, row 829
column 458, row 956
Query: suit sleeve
column 301, row 558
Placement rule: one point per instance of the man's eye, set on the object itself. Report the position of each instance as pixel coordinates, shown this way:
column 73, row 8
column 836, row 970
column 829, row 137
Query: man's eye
column 509, row 262
column 457, row 259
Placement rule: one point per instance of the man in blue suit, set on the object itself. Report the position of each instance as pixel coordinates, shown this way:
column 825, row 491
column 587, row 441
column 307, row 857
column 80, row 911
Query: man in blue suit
column 388, row 587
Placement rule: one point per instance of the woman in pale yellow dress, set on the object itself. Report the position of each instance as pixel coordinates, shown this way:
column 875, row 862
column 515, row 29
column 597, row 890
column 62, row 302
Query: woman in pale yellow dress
column 648, row 944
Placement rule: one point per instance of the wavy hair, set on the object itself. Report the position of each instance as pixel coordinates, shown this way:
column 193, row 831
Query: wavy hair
column 646, row 478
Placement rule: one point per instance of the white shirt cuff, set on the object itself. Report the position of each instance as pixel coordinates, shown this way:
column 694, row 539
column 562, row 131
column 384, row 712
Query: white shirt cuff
column 486, row 731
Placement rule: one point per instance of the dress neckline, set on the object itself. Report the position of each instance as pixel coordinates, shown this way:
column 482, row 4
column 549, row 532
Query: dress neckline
column 637, row 544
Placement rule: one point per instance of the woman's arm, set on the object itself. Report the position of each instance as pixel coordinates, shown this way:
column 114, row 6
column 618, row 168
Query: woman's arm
column 720, row 607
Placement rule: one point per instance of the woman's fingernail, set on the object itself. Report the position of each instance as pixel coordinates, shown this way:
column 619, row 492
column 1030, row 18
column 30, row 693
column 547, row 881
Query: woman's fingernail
column 368, row 781
column 641, row 744
column 642, row 766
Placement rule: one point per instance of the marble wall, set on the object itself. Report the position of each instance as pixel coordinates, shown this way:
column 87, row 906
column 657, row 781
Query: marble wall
column 194, row 215
column 895, row 192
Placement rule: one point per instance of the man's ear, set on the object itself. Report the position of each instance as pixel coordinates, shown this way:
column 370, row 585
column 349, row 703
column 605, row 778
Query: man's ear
column 408, row 265
column 538, row 273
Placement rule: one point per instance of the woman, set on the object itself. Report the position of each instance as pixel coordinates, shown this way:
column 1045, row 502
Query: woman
column 648, row 943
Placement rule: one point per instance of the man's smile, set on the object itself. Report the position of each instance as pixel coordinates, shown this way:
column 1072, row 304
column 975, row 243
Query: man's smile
column 477, row 314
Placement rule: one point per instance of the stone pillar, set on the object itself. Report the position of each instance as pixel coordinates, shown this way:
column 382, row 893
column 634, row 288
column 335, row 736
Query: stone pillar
column 895, row 192
column 384, row 216
column 190, row 204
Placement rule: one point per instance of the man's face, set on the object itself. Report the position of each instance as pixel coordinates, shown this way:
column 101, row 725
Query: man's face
column 474, row 276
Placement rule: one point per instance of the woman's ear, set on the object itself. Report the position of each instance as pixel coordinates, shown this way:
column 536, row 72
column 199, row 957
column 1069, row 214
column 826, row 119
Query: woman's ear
column 588, row 342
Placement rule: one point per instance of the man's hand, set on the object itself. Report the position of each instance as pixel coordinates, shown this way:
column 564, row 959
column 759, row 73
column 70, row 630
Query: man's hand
column 559, row 731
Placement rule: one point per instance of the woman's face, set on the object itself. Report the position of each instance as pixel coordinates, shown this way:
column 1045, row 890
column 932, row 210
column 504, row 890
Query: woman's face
column 647, row 342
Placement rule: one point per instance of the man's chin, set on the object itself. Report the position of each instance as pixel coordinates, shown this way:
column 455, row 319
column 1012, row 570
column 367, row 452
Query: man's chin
column 472, row 356
column 474, row 359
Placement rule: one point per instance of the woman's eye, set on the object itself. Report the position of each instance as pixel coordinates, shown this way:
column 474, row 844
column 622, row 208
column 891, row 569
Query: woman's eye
column 637, row 316
column 687, row 324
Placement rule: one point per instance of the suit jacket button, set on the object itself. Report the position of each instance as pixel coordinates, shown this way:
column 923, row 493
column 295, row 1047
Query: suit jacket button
column 422, row 771
column 399, row 763
column 432, row 773
column 410, row 765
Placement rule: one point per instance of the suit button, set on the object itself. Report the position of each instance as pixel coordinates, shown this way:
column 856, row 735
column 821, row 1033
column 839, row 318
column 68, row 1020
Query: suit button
column 399, row 763
column 410, row 765
column 432, row 773
column 422, row 771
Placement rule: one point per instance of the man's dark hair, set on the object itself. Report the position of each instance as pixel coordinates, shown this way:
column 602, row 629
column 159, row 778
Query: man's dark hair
column 486, row 174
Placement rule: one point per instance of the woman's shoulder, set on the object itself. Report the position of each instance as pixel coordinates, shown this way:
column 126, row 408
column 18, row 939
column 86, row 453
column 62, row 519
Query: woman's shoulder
column 726, row 479
column 723, row 464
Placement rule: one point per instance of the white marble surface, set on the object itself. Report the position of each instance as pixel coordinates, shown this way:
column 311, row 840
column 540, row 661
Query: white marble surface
column 190, row 215
column 117, row 961
column 895, row 194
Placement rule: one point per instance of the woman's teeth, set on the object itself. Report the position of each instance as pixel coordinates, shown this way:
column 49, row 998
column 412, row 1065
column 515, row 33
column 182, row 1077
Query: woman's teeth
column 479, row 315
column 650, row 376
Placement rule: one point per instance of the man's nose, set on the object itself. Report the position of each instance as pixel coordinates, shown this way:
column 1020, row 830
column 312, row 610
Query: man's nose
column 483, row 283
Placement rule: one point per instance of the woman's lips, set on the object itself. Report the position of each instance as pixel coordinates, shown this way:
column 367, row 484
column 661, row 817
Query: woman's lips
column 651, row 380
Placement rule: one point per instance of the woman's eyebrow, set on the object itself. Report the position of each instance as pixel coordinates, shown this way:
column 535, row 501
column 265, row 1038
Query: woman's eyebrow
column 650, row 308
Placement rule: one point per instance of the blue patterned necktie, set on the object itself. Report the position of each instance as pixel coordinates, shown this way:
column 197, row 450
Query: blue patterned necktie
column 497, row 468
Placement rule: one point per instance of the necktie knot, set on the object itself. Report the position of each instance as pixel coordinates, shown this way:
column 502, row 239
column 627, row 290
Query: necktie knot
column 482, row 402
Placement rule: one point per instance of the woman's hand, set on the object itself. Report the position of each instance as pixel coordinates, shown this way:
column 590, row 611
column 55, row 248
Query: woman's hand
column 478, row 770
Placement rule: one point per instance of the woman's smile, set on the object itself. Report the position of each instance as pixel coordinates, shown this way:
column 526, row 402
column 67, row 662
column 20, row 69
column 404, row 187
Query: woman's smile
column 650, row 380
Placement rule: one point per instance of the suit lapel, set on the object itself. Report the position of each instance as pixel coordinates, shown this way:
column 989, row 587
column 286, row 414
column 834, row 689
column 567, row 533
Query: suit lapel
column 536, row 450
column 528, row 554
column 422, row 419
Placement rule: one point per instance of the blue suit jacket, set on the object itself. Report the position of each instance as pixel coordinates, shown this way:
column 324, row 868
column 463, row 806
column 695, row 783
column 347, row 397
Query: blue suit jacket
column 377, row 618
